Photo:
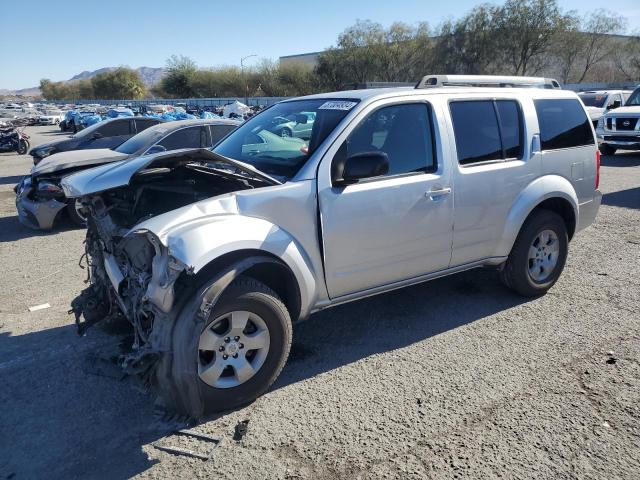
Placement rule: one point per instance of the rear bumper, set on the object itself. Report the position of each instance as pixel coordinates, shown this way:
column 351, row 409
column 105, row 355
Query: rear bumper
column 587, row 211
column 38, row 215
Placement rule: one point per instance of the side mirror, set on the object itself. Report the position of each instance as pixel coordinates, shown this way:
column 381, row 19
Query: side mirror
column 96, row 136
column 359, row 166
column 301, row 119
column 155, row 149
column 615, row 104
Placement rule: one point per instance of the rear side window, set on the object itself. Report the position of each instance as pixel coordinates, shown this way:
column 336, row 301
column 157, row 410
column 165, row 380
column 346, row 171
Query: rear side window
column 487, row 130
column 218, row 132
column 190, row 137
column 115, row 128
column 563, row 124
column 144, row 123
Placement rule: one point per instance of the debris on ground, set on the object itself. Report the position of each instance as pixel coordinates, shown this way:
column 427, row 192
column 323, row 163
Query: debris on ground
column 181, row 451
column 611, row 360
column 35, row 308
column 241, row 430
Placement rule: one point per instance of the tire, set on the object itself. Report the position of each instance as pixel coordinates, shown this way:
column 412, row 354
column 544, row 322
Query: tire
column 519, row 272
column 607, row 149
column 75, row 128
column 74, row 214
column 286, row 133
column 181, row 373
column 23, row 147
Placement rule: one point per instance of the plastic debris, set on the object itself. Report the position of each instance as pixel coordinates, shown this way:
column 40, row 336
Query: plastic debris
column 35, row 308
column 241, row 430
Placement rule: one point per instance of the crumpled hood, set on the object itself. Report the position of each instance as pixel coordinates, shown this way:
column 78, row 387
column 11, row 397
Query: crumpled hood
column 114, row 175
column 76, row 158
column 168, row 226
column 621, row 111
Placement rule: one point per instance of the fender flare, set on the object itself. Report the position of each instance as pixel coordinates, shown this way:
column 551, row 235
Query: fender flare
column 541, row 189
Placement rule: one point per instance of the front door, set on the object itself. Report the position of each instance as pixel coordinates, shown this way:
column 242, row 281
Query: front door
column 393, row 227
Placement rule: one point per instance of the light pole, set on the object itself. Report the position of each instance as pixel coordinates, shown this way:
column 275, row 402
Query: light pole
column 246, row 85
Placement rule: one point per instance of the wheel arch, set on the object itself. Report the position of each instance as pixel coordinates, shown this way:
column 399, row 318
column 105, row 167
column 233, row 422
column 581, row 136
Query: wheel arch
column 550, row 192
column 258, row 264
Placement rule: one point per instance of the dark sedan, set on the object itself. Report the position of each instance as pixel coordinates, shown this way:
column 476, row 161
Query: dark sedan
column 106, row 134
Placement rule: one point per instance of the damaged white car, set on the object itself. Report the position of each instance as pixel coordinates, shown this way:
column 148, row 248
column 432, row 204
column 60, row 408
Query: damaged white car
column 210, row 255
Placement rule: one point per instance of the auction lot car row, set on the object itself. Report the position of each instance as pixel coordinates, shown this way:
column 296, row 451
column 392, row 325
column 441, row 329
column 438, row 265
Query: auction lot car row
column 130, row 260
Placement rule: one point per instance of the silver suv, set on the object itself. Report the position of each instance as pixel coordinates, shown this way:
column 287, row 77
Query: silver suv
column 211, row 255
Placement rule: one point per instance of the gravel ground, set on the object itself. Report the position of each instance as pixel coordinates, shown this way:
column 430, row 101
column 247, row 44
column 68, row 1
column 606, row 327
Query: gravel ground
column 457, row 378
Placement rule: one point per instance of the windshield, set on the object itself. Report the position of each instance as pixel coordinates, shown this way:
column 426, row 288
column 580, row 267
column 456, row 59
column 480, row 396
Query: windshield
column 279, row 140
column 593, row 99
column 143, row 140
column 634, row 99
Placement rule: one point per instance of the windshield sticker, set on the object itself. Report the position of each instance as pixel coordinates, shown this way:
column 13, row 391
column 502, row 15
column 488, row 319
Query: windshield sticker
column 337, row 105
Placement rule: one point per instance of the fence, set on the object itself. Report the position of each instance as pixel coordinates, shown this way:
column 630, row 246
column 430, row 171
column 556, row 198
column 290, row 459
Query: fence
column 193, row 102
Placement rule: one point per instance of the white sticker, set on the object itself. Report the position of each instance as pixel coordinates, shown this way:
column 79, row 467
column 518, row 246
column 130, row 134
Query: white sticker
column 333, row 105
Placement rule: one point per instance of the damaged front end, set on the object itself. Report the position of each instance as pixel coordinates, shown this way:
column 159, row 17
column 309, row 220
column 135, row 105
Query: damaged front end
column 132, row 275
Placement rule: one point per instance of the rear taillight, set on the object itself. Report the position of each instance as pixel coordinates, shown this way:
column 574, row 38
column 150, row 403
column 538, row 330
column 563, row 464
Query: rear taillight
column 597, row 169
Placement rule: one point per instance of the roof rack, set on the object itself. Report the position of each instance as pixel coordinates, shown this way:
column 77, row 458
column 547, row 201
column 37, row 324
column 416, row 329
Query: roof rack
column 431, row 81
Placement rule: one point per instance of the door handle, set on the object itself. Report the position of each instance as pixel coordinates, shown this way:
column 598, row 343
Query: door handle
column 436, row 193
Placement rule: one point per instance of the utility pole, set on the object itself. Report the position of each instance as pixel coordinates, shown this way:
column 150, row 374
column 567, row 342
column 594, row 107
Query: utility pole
column 246, row 84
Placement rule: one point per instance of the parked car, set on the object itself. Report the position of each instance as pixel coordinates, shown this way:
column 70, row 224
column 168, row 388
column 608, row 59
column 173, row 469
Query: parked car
column 299, row 125
column 600, row 102
column 620, row 129
column 212, row 254
column 39, row 196
column 50, row 117
column 107, row 134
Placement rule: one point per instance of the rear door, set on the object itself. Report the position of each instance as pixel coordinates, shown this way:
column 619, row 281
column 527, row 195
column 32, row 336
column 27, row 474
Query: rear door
column 112, row 134
column 492, row 165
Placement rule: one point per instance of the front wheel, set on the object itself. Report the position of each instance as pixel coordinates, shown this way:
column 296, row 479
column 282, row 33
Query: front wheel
column 229, row 358
column 538, row 255
column 286, row 133
column 76, row 213
column 607, row 149
column 23, row 147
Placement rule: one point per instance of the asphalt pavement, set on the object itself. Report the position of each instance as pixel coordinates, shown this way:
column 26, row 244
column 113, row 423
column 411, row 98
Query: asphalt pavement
column 456, row 378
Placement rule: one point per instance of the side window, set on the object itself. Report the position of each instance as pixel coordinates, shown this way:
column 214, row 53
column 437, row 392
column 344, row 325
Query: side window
column 476, row 130
column 185, row 138
column 563, row 124
column 510, row 121
column 218, row 132
column 115, row 128
column 404, row 132
column 144, row 123
column 487, row 130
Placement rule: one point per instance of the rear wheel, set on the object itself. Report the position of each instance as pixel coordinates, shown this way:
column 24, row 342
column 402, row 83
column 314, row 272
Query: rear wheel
column 229, row 358
column 607, row 149
column 23, row 147
column 538, row 255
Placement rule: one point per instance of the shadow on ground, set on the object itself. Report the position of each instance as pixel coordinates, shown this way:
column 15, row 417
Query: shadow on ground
column 629, row 198
column 12, row 180
column 67, row 421
column 627, row 159
column 11, row 229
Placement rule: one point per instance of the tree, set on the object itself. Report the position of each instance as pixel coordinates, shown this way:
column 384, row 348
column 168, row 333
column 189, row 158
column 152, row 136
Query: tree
column 526, row 29
column 598, row 45
column 179, row 77
column 470, row 45
column 122, row 83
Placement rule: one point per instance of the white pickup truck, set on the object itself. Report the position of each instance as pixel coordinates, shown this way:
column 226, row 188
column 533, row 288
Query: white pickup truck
column 599, row 102
column 620, row 129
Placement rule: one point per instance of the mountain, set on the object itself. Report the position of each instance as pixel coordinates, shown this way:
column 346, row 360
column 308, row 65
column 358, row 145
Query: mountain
column 150, row 76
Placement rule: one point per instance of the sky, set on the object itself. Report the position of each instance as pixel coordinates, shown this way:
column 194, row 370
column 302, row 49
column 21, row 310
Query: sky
column 59, row 39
